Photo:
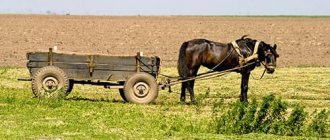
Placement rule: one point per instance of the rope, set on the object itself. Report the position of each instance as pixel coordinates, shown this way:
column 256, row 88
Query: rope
column 144, row 64
column 208, row 75
column 262, row 75
column 237, row 49
column 167, row 76
column 221, row 61
column 171, row 77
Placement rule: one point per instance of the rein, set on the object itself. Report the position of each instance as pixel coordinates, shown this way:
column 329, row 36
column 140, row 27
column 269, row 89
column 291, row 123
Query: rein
column 266, row 67
column 262, row 75
column 242, row 60
column 221, row 61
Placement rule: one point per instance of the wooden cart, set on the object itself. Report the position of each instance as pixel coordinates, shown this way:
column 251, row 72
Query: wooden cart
column 53, row 74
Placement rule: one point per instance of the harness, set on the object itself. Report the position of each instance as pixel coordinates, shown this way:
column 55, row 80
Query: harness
column 243, row 62
column 242, row 59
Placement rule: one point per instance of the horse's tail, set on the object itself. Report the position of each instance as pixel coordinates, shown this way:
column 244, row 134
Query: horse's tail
column 182, row 66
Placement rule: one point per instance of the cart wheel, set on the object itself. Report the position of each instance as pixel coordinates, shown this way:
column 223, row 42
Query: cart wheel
column 141, row 88
column 51, row 82
column 122, row 94
column 71, row 84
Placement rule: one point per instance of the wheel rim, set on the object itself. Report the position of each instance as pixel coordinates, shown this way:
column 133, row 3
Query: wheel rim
column 141, row 89
column 50, row 84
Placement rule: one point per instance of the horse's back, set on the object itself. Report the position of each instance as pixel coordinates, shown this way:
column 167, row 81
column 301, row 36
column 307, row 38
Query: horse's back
column 201, row 41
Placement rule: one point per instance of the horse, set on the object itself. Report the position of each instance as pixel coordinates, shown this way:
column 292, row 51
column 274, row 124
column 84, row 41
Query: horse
column 241, row 56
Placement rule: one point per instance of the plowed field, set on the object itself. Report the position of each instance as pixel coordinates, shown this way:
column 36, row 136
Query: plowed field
column 302, row 41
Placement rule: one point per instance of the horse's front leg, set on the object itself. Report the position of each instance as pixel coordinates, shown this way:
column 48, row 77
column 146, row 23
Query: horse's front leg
column 244, row 86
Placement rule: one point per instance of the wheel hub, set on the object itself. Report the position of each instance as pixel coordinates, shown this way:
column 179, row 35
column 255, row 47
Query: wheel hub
column 50, row 84
column 141, row 89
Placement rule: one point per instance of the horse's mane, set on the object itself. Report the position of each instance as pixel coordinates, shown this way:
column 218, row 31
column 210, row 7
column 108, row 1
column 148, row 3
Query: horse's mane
column 246, row 40
column 243, row 37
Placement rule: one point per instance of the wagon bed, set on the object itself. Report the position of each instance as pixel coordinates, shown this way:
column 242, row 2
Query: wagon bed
column 134, row 75
column 93, row 66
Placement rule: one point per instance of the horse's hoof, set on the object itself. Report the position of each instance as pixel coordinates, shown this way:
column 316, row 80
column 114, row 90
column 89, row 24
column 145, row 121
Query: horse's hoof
column 182, row 100
column 194, row 102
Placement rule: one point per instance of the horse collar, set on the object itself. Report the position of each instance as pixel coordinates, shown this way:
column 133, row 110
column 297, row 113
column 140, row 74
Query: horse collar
column 242, row 60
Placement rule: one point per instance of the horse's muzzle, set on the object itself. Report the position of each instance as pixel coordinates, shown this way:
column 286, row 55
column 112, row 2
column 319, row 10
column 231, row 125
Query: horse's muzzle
column 270, row 69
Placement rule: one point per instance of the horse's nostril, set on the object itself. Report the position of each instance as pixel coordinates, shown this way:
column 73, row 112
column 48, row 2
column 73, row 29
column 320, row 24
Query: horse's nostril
column 270, row 71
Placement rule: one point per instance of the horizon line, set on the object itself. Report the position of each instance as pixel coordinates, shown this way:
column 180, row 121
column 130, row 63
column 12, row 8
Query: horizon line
column 145, row 15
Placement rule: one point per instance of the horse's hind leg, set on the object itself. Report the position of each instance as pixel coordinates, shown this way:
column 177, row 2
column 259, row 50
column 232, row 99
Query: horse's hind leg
column 191, row 84
column 191, row 91
column 183, row 92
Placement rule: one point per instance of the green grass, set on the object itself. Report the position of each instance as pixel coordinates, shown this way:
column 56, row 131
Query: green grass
column 97, row 113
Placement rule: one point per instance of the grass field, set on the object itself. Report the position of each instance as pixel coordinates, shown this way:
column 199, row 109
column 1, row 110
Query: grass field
column 97, row 113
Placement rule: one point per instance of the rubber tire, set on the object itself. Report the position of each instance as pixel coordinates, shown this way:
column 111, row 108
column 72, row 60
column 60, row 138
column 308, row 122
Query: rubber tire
column 71, row 84
column 122, row 94
column 63, row 86
column 146, row 79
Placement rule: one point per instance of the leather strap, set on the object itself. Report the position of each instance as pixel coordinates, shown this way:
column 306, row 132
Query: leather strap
column 243, row 60
column 237, row 49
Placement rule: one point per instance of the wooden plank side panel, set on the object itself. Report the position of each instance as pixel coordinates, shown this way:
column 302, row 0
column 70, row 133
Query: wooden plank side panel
column 62, row 65
column 96, row 75
column 115, row 60
column 113, row 68
column 58, row 64
column 76, row 58
column 57, row 57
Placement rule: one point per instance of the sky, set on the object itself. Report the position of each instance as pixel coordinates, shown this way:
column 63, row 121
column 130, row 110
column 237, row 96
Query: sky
column 167, row 7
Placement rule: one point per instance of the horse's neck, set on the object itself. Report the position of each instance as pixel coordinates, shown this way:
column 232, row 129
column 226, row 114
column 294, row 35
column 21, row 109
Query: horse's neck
column 247, row 50
column 251, row 49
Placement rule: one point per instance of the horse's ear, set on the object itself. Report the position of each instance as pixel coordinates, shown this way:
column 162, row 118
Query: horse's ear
column 275, row 46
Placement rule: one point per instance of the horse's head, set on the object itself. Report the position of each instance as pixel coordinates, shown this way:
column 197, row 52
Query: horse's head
column 267, row 55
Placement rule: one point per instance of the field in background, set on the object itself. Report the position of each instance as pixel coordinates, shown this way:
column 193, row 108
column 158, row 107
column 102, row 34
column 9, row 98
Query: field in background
column 94, row 112
column 302, row 41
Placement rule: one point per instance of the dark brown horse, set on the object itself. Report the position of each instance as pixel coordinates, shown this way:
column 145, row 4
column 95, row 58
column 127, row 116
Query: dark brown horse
column 221, row 56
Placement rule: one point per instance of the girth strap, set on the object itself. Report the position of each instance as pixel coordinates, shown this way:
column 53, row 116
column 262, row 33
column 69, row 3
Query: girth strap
column 243, row 60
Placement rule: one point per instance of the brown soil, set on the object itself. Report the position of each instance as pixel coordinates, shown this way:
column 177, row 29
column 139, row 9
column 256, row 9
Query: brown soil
column 301, row 41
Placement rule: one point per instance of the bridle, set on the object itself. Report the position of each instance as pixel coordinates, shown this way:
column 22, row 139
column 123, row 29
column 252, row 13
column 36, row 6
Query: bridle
column 270, row 65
